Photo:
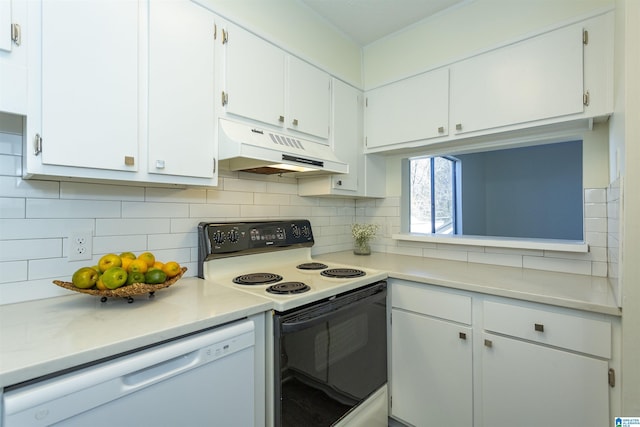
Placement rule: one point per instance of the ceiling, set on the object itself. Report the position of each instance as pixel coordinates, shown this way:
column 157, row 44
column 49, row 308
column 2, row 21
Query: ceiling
column 365, row 21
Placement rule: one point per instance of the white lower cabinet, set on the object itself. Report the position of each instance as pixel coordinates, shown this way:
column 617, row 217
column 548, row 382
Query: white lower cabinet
column 517, row 363
column 431, row 357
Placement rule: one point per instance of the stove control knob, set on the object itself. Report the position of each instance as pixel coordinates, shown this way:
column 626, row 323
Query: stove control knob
column 306, row 231
column 233, row 236
column 296, row 231
column 218, row 237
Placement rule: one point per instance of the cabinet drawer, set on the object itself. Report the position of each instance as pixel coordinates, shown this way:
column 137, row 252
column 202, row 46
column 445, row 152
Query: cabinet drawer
column 576, row 333
column 425, row 300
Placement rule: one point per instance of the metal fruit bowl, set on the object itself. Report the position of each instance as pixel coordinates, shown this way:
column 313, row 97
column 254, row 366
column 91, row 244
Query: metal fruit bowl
column 127, row 291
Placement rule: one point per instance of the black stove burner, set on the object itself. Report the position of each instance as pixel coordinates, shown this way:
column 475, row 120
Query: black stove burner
column 288, row 288
column 342, row 273
column 312, row 266
column 257, row 279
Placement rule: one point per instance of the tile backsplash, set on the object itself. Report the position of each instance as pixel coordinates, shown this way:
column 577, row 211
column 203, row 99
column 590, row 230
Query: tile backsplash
column 37, row 217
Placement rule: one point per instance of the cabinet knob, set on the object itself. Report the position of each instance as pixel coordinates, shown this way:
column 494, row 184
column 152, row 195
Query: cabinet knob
column 295, row 122
column 129, row 160
column 538, row 327
column 462, row 335
column 159, row 164
column 441, row 129
column 488, row 343
column 339, row 182
column 458, row 126
column 281, row 119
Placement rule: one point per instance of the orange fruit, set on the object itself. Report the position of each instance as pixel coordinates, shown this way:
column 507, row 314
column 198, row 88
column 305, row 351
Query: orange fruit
column 126, row 262
column 138, row 266
column 171, row 268
column 147, row 257
column 158, row 265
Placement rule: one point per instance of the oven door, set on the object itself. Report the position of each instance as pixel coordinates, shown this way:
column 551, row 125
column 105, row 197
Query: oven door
column 329, row 357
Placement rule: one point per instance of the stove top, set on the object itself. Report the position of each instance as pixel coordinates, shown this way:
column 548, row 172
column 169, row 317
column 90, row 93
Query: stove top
column 273, row 260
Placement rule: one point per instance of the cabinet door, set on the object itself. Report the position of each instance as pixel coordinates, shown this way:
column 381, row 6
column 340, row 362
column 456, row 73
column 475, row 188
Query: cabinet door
column 346, row 133
column 181, row 89
column 431, row 371
column 254, row 77
column 5, row 25
column 90, row 84
column 309, row 98
column 409, row 110
column 13, row 58
column 532, row 80
column 530, row 385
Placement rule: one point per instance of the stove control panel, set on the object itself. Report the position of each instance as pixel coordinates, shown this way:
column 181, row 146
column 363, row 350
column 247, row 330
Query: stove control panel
column 233, row 238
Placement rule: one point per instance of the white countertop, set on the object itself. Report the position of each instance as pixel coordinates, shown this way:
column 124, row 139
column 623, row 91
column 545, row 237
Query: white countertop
column 576, row 291
column 46, row 336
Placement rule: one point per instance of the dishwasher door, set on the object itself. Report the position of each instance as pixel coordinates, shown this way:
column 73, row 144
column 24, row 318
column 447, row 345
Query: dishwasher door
column 206, row 379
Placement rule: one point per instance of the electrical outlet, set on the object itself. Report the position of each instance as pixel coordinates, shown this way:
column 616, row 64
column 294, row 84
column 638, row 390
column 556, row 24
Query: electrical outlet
column 80, row 247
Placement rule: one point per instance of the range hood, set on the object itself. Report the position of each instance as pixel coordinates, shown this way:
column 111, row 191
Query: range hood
column 243, row 147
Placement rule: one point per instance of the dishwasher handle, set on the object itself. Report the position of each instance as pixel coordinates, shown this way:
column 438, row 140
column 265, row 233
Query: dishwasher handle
column 160, row 371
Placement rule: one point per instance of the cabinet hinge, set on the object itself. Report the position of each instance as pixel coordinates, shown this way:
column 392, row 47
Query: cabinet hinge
column 586, row 99
column 225, row 98
column 612, row 377
column 366, row 141
column 215, row 31
column 366, row 102
column 16, row 34
column 391, row 401
column 225, row 36
column 214, row 165
column 585, row 37
column 37, row 144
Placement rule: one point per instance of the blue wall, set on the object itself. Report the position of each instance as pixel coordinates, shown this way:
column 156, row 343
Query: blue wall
column 531, row 192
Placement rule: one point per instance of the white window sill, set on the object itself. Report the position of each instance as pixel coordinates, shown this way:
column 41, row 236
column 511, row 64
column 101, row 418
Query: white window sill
column 499, row 242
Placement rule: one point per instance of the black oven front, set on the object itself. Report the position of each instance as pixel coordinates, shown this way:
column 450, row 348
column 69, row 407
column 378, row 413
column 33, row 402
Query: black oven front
column 329, row 357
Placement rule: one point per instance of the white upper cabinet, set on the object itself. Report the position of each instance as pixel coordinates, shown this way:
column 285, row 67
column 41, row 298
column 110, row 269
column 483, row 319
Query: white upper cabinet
column 535, row 79
column 412, row 109
column 13, row 57
column 309, row 98
column 254, row 80
column 89, row 85
column 264, row 83
column 181, row 89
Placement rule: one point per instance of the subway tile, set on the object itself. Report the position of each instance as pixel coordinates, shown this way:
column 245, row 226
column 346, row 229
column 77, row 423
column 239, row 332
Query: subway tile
column 599, row 269
column 383, row 211
column 403, row 250
column 154, row 210
column 595, row 195
column 55, row 268
column 11, row 207
column 87, row 191
column 245, row 185
column 190, row 225
column 271, row 199
column 219, row 197
column 30, row 249
column 62, row 208
column 324, row 211
column 295, row 211
column 557, row 264
column 18, row 187
column 124, row 226
column 179, row 255
column 117, row 244
column 596, row 238
column 42, row 228
column 11, row 293
column 10, row 165
column 180, row 195
column 213, row 211
column 507, row 260
column 10, row 143
column 445, row 254
column 282, row 187
column 12, row 271
column 595, row 225
column 173, row 240
column 303, row 201
column 595, row 210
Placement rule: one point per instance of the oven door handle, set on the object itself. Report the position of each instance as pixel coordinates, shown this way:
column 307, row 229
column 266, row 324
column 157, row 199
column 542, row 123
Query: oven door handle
column 331, row 308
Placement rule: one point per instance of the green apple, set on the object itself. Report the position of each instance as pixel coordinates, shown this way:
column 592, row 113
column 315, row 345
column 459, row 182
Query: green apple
column 85, row 278
column 114, row 277
column 135, row 277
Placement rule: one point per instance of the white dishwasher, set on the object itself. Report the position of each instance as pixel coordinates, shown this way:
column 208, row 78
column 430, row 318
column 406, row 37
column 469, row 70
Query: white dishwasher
column 204, row 379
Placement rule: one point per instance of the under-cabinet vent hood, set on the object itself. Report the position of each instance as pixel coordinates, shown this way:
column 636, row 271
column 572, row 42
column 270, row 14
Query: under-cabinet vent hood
column 243, row 147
